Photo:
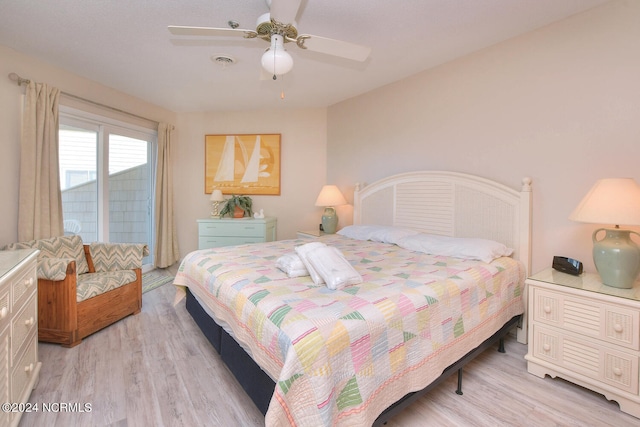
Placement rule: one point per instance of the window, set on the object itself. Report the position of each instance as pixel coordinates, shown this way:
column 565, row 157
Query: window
column 106, row 178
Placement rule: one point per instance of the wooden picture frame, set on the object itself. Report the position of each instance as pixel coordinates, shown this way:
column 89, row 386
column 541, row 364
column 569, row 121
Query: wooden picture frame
column 247, row 164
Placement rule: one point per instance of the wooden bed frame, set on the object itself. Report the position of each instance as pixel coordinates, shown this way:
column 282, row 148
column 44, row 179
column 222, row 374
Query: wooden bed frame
column 444, row 203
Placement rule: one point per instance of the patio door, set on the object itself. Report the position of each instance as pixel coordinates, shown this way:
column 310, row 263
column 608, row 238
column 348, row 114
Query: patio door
column 106, row 172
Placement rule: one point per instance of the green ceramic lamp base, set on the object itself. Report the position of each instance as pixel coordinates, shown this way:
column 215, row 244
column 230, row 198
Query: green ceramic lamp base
column 617, row 258
column 329, row 220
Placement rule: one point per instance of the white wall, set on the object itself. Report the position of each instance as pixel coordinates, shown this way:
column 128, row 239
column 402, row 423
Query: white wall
column 303, row 167
column 560, row 105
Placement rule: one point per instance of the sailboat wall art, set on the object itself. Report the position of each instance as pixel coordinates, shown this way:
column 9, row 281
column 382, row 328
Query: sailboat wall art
column 242, row 164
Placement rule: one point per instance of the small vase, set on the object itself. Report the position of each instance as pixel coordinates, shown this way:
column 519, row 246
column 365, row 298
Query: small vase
column 238, row 212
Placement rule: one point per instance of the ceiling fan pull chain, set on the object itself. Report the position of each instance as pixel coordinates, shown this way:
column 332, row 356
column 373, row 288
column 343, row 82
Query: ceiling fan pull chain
column 274, row 63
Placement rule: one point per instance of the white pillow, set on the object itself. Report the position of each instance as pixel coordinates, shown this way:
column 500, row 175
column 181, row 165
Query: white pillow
column 377, row 233
column 456, row 247
column 303, row 252
column 333, row 267
column 292, row 265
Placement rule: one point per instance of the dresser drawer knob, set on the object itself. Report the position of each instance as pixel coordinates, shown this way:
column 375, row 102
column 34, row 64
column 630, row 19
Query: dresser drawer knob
column 28, row 282
column 617, row 372
column 617, row 327
column 3, row 312
column 29, row 368
column 29, row 322
column 547, row 309
column 546, row 348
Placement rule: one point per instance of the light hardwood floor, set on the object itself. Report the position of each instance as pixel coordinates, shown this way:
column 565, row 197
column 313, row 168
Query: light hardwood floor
column 157, row 369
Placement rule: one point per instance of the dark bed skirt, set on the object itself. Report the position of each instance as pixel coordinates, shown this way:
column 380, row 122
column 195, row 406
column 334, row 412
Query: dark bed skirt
column 259, row 386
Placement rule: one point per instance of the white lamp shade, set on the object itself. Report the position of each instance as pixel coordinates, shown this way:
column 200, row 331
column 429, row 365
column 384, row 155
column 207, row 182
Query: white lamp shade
column 216, row 196
column 276, row 60
column 614, row 201
column 330, row 195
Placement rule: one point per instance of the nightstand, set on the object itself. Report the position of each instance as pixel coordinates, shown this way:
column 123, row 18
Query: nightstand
column 310, row 234
column 587, row 333
column 216, row 232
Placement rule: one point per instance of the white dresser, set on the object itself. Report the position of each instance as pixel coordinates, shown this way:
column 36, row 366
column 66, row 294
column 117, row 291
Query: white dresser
column 216, row 232
column 18, row 331
column 587, row 333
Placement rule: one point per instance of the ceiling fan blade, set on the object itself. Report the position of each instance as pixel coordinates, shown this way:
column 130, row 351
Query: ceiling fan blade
column 177, row 30
column 334, row 47
column 284, row 11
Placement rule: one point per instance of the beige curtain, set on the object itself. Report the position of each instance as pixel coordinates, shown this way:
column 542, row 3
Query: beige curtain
column 40, row 204
column 166, row 250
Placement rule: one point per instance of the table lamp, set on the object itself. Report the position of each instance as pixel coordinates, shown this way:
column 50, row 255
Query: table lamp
column 613, row 201
column 216, row 198
column 329, row 197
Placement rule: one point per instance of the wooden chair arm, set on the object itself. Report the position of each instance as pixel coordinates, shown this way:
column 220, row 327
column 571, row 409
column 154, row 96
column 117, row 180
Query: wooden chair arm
column 71, row 269
column 87, row 255
column 57, row 302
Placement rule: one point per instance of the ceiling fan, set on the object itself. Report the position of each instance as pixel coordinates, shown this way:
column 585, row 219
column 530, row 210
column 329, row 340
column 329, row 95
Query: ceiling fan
column 279, row 27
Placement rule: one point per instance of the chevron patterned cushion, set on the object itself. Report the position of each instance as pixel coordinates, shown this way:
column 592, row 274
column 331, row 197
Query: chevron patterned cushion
column 117, row 256
column 53, row 268
column 91, row 284
column 57, row 247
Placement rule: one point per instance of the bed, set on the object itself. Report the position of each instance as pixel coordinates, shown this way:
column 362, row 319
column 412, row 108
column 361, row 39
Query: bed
column 310, row 355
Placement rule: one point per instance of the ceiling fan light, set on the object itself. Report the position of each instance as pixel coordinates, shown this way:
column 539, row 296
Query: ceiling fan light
column 276, row 60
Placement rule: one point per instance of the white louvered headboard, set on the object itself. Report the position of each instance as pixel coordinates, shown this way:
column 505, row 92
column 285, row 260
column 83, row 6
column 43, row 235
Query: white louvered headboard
column 450, row 204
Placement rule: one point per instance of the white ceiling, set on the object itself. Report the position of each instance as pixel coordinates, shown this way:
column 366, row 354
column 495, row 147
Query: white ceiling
column 126, row 45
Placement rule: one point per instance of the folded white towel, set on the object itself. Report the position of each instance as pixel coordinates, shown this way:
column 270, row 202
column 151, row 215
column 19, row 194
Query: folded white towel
column 292, row 265
column 333, row 267
column 303, row 252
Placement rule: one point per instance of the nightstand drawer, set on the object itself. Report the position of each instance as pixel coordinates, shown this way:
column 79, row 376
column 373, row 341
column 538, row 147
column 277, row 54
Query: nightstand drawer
column 621, row 326
column 587, row 357
column 242, row 228
column 588, row 316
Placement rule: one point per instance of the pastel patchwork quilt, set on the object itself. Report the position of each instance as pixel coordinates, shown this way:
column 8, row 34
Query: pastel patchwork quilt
column 341, row 357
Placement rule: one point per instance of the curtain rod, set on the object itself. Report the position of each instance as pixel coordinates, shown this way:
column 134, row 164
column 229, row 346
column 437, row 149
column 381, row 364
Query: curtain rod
column 16, row 78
